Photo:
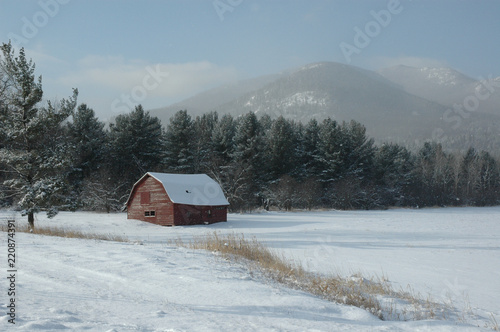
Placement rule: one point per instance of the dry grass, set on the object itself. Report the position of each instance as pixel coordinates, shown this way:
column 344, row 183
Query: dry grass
column 494, row 323
column 240, row 248
column 375, row 294
column 67, row 233
column 275, row 266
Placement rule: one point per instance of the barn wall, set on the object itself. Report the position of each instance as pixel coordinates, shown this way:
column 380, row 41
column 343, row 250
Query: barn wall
column 149, row 195
column 195, row 215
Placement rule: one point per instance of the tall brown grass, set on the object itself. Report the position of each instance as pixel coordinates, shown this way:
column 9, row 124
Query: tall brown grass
column 276, row 267
column 356, row 290
column 494, row 323
column 66, row 233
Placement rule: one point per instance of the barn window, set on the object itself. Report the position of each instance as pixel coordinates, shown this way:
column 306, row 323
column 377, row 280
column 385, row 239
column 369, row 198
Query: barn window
column 149, row 213
column 209, row 212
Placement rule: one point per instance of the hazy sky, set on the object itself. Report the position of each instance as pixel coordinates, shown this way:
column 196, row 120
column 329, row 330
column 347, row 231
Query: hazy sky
column 119, row 53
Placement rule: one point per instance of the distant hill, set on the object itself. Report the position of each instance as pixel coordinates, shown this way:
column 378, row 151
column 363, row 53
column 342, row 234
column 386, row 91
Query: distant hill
column 211, row 99
column 446, row 86
column 399, row 104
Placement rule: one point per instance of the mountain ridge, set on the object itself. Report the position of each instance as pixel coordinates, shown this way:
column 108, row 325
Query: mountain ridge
column 446, row 86
column 391, row 107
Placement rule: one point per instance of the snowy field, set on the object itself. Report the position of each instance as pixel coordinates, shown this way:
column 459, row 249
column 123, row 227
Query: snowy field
column 453, row 254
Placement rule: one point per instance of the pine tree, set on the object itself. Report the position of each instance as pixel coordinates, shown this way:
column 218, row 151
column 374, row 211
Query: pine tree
column 346, row 160
column 179, row 144
column 4, row 195
column 247, row 161
column 468, row 175
column 135, row 145
column 310, row 157
column 34, row 149
column 219, row 164
column 280, row 153
column 88, row 139
column 434, row 173
column 393, row 165
column 329, row 149
column 203, row 127
column 357, row 152
column 488, row 184
column 222, row 140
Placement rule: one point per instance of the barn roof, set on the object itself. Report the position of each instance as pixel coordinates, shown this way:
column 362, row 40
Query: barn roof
column 191, row 189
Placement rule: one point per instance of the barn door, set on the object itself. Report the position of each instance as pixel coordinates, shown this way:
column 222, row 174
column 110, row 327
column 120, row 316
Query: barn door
column 190, row 215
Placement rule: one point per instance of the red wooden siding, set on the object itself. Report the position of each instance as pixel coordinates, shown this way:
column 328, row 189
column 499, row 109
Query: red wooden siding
column 145, row 197
column 193, row 215
column 149, row 195
column 149, row 202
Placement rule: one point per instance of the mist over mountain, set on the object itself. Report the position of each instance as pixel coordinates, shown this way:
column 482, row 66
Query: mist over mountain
column 213, row 98
column 400, row 104
column 447, row 86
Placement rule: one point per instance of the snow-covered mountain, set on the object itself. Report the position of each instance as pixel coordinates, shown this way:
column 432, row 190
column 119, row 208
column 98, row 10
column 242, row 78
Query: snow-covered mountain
column 398, row 104
column 447, row 86
column 211, row 99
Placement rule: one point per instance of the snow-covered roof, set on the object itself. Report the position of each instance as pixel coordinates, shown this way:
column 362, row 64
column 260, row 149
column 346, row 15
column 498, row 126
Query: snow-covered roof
column 191, row 189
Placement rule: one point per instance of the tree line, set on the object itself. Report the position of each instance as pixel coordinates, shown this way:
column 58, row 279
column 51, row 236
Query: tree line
column 61, row 156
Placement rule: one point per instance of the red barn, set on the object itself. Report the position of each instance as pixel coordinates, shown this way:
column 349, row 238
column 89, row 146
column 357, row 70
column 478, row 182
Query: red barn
column 177, row 199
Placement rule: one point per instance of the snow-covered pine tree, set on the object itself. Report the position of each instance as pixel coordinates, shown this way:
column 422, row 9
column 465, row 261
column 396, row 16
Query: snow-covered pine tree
column 393, row 165
column 4, row 195
column 222, row 140
column 434, row 173
column 179, row 144
column 309, row 150
column 247, row 162
column 346, row 159
column 222, row 147
column 468, row 175
column 488, row 187
column 88, row 142
column 136, row 146
column 34, row 148
column 281, row 143
column 357, row 151
column 479, row 178
column 203, row 127
column 329, row 149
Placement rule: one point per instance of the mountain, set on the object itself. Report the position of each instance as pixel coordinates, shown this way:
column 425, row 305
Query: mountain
column 211, row 99
column 343, row 93
column 447, row 86
column 386, row 103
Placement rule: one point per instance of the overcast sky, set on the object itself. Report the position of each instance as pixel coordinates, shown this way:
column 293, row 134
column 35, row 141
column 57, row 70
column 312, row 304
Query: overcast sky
column 119, row 53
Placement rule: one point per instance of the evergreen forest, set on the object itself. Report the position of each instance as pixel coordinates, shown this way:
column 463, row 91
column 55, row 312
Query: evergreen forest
column 60, row 156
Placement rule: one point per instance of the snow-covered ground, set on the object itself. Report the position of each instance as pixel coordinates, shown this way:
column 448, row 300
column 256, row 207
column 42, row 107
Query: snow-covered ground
column 88, row 285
